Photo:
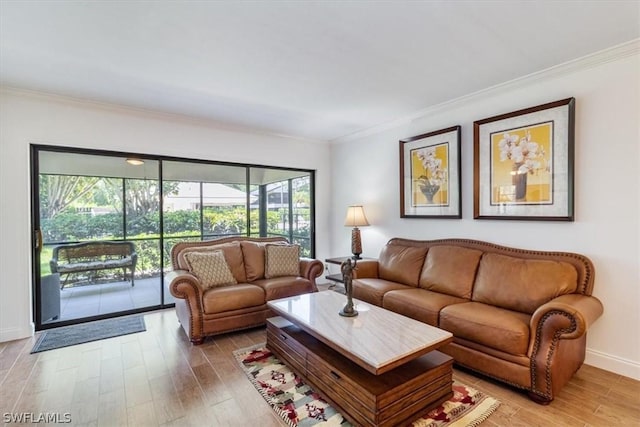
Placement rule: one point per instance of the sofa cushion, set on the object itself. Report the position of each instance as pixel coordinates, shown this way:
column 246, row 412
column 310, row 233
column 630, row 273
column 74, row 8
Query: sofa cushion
column 253, row 253
column 210, row 268
column 419, row 304
column 281, row 260
column 522, row 284
column 232, row 253
column 491, row 326
column 254, row 258
column 229, row 298
column 401, row 264
column 372, row 290
column 283, row 287
column 450, row 270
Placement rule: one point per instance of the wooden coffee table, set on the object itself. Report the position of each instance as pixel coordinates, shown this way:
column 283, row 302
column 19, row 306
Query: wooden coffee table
column 378, row 369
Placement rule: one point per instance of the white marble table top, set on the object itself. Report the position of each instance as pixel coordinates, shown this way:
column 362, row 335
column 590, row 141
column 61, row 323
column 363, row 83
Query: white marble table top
column 376, row 339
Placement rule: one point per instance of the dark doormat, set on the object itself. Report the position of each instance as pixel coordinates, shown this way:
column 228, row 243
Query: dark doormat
column 86, row 332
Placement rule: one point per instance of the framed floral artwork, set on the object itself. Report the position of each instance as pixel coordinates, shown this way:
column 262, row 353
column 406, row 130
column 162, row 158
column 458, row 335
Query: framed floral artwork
column 430, row 175
column 523, row 164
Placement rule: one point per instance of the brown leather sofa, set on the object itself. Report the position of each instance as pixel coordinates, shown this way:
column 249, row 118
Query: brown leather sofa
column 517, row 315
column 203, row 312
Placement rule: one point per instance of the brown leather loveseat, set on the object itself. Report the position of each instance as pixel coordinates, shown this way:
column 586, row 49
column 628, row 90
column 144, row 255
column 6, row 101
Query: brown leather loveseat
column 517, row 315
column 241, row 304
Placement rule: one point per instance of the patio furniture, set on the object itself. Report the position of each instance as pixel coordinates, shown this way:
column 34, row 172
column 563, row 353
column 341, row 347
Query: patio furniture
column 50, row 297
column 93, row 256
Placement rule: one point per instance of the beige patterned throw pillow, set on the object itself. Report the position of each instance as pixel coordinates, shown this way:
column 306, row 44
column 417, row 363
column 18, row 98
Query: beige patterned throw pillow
column 211, row 268
column 281, row 260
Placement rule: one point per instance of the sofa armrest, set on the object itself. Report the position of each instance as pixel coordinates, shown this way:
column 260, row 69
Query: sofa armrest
column 558, row 342
column 366, row 268
column 185, row 285
column 310, row 269
column 567, row 316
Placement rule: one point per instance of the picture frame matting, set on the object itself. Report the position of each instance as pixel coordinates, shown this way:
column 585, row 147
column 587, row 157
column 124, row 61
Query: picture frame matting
column 430, row 181
column 524, row 164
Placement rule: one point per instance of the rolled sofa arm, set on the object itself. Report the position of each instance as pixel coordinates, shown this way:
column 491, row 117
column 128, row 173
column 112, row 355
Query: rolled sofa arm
column 558, row 342
column 367, row 268
column 185, row 285
column 310, row 269
column 568, row 316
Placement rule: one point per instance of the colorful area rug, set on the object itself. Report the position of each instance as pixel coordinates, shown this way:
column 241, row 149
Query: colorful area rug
column 298, row 405
column 86, row 332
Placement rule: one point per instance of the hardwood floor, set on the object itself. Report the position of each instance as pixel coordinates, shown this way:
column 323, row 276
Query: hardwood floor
column 158, row 378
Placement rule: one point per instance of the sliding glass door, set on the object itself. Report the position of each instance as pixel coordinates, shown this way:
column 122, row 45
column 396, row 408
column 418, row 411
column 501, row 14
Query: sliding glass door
column 281, row 205
column 99, row 248
column 105, row 224
column 202, row 201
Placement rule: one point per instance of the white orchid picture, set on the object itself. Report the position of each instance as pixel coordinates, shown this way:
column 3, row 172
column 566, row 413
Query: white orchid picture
column 523, row 163
column 430, row 175
column 521, row 169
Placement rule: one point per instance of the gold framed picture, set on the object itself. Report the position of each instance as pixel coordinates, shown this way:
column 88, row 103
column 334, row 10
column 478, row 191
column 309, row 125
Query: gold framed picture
column 523, row 164
column 430, row 175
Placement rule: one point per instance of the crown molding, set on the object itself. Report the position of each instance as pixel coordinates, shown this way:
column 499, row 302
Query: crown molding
column 596, row 59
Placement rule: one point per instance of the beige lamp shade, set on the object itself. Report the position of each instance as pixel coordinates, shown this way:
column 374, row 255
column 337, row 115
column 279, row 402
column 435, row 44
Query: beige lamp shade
column 355, row 217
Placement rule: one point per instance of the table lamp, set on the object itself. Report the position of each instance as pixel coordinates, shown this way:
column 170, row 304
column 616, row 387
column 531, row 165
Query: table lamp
column 356, row 218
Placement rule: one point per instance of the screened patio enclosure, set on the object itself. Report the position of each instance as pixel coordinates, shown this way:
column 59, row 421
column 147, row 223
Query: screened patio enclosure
column 85, row 201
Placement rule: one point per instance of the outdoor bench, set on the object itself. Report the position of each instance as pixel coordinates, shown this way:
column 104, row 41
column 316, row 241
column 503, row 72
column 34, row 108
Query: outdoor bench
column 93, row 256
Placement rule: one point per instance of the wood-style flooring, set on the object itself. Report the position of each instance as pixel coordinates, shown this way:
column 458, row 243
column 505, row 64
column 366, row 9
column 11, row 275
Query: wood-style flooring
column 158, row 378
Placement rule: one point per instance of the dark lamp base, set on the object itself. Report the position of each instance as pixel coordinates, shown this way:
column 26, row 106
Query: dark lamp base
column 348, row 313
column 356, row 245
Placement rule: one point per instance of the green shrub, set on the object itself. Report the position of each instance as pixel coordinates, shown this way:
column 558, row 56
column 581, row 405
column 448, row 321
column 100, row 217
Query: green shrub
column 68, row 226
column 144, row 231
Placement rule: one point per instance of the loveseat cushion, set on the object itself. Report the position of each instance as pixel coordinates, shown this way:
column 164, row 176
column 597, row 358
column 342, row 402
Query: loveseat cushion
column 372, row 290
column 211, row 268
column 229, row 298
column 283, row 287
column 490, row 326
column 450, row 270
column 281, row 260
column 253, row 253
column 232, row 253
column 522, row 284
column 401, row 264
column 419, row 304
column 254, row 258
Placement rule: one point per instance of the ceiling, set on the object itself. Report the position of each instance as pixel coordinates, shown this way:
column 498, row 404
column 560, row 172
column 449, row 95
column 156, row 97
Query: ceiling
column 313, row 69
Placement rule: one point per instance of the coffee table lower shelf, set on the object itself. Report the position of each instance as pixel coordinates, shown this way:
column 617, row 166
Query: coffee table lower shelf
column 395, row 397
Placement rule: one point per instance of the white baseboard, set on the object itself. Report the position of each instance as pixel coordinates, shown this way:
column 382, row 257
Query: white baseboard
column 608, row 362
column 11, row 334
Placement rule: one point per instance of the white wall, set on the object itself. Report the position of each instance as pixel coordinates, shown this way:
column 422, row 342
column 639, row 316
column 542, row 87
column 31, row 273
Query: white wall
column 607, row 188
column 32, row 118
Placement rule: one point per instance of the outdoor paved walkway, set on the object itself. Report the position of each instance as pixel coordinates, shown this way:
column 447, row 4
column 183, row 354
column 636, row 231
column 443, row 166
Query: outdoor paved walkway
column 92, row 300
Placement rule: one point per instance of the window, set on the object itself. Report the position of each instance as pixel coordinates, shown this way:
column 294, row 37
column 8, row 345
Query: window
column 84, row 196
